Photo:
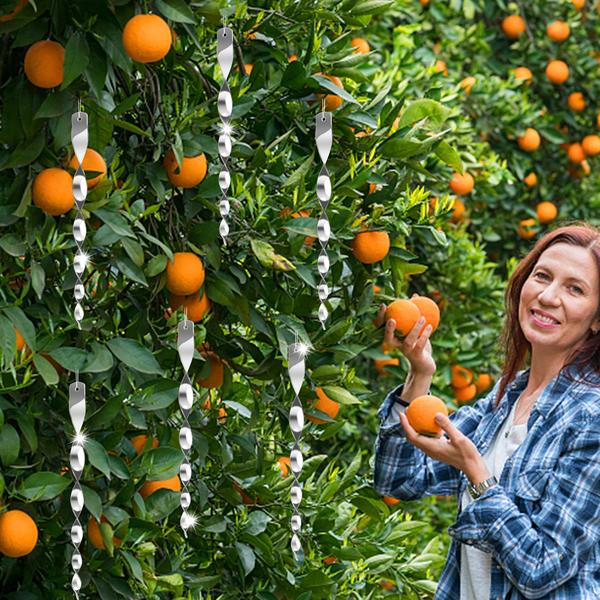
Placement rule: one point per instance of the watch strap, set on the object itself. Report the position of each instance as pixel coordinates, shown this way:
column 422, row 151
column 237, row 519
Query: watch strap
column 476, row 490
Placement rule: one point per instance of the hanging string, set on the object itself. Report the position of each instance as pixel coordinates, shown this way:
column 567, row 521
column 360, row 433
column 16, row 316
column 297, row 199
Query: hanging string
column 77, row 405
column 225, row 108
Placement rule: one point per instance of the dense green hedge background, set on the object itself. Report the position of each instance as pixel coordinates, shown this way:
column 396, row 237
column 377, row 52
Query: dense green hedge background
column 126, row 353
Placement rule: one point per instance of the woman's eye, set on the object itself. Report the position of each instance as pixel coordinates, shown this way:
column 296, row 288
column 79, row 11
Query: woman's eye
column 540, row 274
column 577, row 289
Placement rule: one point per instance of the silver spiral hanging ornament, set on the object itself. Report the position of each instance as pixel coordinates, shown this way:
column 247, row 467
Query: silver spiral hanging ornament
column 79, row 140
column 296, row 369
column 324, row 140
column 185, row 348
column 225, row 108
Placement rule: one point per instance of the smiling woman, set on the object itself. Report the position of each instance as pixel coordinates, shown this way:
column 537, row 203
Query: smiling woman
column 524, row 461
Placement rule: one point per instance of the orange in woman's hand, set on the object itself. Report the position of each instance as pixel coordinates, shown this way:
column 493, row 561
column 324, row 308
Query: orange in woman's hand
column 405, row 313
column 421, row 414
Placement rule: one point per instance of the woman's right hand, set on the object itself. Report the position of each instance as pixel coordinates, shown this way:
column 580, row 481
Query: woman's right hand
column 416, row 348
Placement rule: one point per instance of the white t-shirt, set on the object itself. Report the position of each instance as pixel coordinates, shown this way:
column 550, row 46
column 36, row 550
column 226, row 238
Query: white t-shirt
column 475, row 565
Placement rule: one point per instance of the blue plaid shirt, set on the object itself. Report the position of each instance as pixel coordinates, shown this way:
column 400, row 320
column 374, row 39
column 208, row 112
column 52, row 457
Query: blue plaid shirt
column 541, row 524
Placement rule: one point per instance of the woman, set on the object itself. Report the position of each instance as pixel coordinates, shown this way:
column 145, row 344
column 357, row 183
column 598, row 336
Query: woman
column 524, row 461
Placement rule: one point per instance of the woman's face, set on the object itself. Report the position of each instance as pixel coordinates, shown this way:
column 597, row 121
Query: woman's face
column 560, row 298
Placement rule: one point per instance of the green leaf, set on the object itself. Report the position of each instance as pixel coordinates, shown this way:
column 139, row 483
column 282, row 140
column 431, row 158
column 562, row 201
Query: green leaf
column 130, row 127
column 257, row 522
column 370, row 7
column 424, row 108
column 92, row 502
column 156, row 265
column 55, row 105
column 130, row 270
column 77, row 57
column 38, row 278
column 161, row 503
column 398, row 147
column 98, row 456
column 156, row 395
column 18, row 318
column 26, row 152
column 134, row 355
column 133, row 564
column 45, row 369
column 297, row 177
column 444, row 151
column 72, row 359
column 246, row 556
column 99, row 359
column 134, row 251
column 10, row 445
column 334, row 89
column 340, row 395
column 43, row 485
column 12, row 244
column 160, row 463
column 265, row 254
column 176, row 10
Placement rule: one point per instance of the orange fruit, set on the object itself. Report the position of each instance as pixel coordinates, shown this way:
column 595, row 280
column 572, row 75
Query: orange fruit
column 462, row 185
column 558, row 31
column 483, row 382
column 527, row 229
column 215, row 377
column 95, row 536
column 372, row 186
column 20, row 340
column 405, row 313
column 513, row 26
column 147, row 38
column 530, row 140
column 293, row 57
column 370, row 246
column 428, row 309
column 360, row 45
column 332, row 101
column 376, row 288
column 185, row 274
column 381, row 363
column 557, row 71
column 546, row 212
column 325, row 405
column 52, row 191
column 523, row 73
column 248, row 69
column 421, row 414
column 150, row 487
column 387, row 584
column 196, row 305
column 329, row 560
column 531, row 180
column 576, row 101
column 284, row 465
column 139, row 441
column 465, row 394
column 440, row 67
column 467, row 83
column 576, row 153
column 390, row 500
column 18, row 533
column 19, row 6
column 578, row 4
column 44, row 62
column 192, row 172
column 591, row 145
column 246, row 499
column 92, row 161
column 460, row 376
column 222, row 411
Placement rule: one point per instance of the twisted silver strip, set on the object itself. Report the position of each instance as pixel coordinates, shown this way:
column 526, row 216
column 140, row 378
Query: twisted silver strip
column 225, row 108
column 324, row 140
column 185, row 348
column 79, row 140
column 77, row 462
column 296, row 370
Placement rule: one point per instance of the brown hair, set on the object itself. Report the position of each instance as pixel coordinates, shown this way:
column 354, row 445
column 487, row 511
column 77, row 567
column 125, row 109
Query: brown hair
column 513, row 342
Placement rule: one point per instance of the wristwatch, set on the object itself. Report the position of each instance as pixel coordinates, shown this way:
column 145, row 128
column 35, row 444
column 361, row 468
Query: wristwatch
column 476, row 490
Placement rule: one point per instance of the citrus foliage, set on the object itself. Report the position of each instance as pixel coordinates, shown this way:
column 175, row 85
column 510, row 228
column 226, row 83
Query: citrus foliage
column 406, row 128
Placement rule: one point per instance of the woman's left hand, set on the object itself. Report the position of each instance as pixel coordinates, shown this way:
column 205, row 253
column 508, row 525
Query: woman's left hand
column 456, row 450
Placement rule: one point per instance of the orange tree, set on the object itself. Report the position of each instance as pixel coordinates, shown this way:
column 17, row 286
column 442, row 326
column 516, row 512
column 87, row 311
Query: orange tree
column 401, row 136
